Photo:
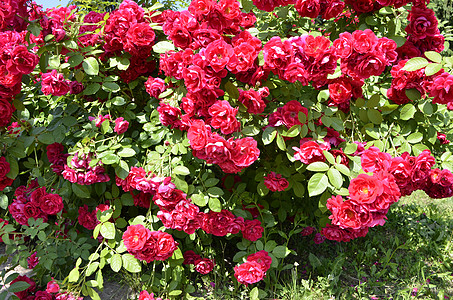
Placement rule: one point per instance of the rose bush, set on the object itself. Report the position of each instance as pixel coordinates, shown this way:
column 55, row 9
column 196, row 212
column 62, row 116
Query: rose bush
column 148, row 139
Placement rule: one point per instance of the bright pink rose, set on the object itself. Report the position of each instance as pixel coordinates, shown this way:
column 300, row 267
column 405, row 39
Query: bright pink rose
column 155, row 86
column 121, row 125
column 204, row 265
column 364, row 189
column 52, row 287
column 310, row 151
column 249, row 272
column 223, row 117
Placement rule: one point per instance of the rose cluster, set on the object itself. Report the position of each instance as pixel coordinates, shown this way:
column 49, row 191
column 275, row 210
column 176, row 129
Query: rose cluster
column 83, row 171
column 254, row 269
column 89, row 219
column 365, row 6
column 201, row 265
column 56, row 157
column 301, row 58
column 16, row 60
column 87, row 35
column 328, row 9
column 129, row 28
column 33, row 202
column 275, row 182
column 148, row 245
column 49, row 292
column 370, row 196
column 54, row 21
column 363, row 54
column 138, row 179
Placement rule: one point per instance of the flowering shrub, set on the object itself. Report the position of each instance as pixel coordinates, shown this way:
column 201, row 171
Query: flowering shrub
column 147, row 140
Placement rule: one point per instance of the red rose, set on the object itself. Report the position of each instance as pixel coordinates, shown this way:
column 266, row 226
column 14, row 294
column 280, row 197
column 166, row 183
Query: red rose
column 310, row 151
column 364, row 41
column 198, row 134
column 278, row 54
column 53, row 83
column 217, row 223
column 296, row 71
column 364, row 189
column 401, row 170
column 121, row 125
column 249, row 272
column 165, row 245
column 308, row 8
column 54, row 152
column 32, row 211
column 422, row 23
column 262, row 258
column 244, row 151
column 43, row 295
column 169, row 115
column 140, row 34
column 218, row 54
column 155, row 86
column 290, row 113
column 135, row 237
column 344, row 45
column 6, row 111
column 252, row 230
column 274, row 182
column 335, row 233
column 194, row 78
column 316, row 46
column 374, row 160
column 87, row 219
column 200, row 8
column 331, row 8
column 422, row 167
column 190, row 257
column 204, row 265
column 51, row 204
column 22, row 61
column 4, row 167
column 441, row 89
column 340, row 91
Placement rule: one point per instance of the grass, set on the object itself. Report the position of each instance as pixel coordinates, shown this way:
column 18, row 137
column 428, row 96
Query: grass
column 411, row 257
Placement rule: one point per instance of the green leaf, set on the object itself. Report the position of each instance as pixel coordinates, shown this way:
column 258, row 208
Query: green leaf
column 91, row 89
column 122, row 170
column 415, row 64
column 126, row 152
column 262, row 189
column 335, row 178
column 343, row 169
column 254, row 294
column 302, row 117
column 110, row 86
column 181, row 170
column 81, row 191
column 281, row 142
column 127, row 200
column 110, row 159
column 250, row 130
column 74, row 275
column 215, row 205
column 18, row 286
column 415, row 137
column 317, row 184
column 75, row 60
column 91, row 66
column 281, row 251
column 293, row 131
column 433, row 56
column 330, row 158
column 350, row 148
column 299, row 189
column 215, row 191
column 116, row 262
column 199, row 200
column 92, row 268
column 130, row 263
column 232, row 90
column 413, row 94
column 318, row 166
column 375, row 116
column 407, row 112
column 46, row 138
column 163, row 46
column 108, row 230
column 314, row 261
column 13, row 167
column 269, row 135
column 4, row 201
column 432, row 69
column 34, row 28
column 373, row 101
column 211, row 182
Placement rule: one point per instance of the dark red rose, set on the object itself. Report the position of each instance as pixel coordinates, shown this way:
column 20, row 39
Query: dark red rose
column 51, row 204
